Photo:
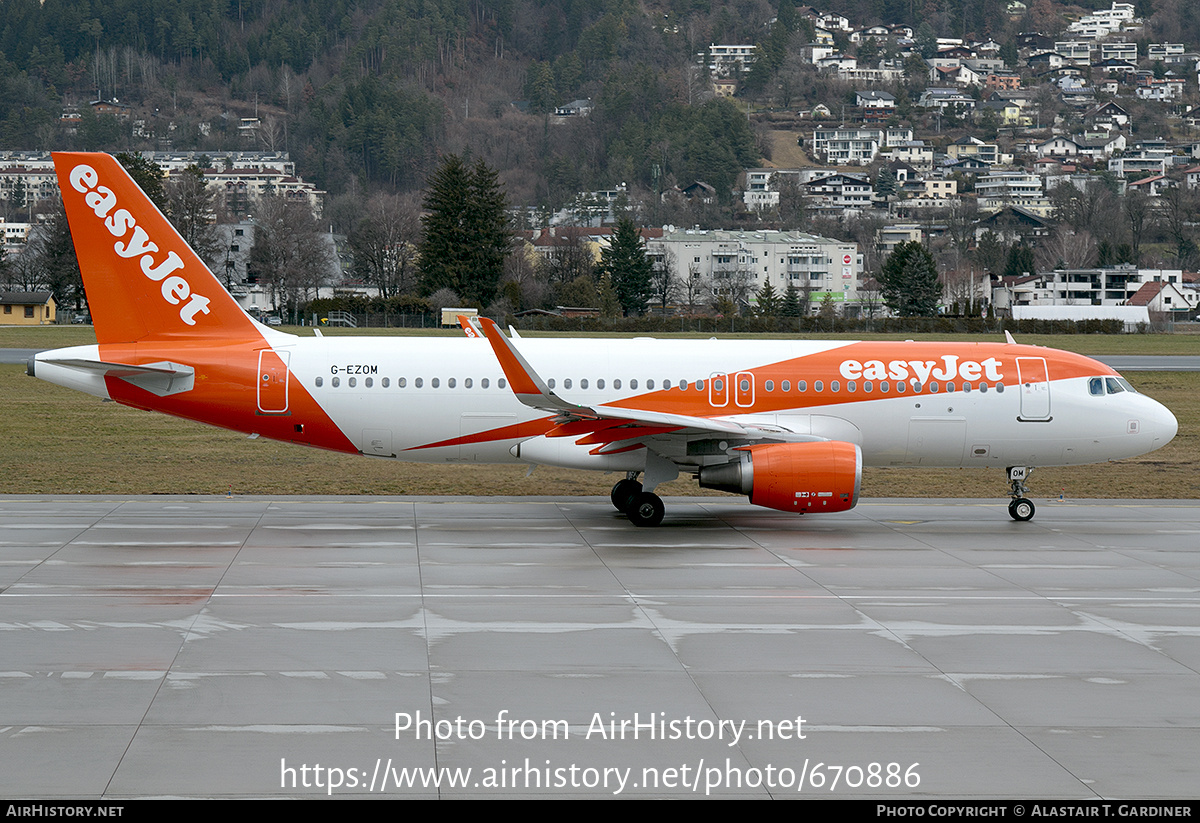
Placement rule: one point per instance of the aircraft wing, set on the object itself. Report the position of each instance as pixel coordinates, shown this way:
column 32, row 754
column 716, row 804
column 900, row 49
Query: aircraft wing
column 610, row 426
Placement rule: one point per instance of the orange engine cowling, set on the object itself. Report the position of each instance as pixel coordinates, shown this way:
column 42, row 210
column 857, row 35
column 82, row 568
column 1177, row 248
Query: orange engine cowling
column 793, row 477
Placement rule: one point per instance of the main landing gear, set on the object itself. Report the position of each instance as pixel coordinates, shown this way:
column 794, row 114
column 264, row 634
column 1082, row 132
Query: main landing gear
column 1021, row 508
column 641, row 507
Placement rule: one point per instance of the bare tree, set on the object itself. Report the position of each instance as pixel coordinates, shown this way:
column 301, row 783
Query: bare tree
column 663, row 280
column 384, row 243
column 270, row 134
column 191, row 207
column 695, row 289
column 1139, row 216
column 521, row 278
column 962, row 288
column 290, row 255
column 1178, row 209
column 791, row 202
column 23, row 271
column 567, row 258
column 737, row 286
column 1066, row 249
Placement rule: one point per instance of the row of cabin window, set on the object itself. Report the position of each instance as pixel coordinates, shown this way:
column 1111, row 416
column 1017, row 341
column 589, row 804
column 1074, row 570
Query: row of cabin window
column 418, row 382
column 868, row 386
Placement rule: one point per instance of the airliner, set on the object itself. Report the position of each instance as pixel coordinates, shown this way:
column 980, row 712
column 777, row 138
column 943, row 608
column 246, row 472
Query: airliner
column 789, row 423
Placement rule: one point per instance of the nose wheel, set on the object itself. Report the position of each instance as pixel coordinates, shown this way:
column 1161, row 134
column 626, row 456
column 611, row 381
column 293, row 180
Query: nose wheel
column 1021, row 508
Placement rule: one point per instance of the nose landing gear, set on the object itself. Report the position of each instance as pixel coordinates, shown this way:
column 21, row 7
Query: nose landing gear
column 1021, row 508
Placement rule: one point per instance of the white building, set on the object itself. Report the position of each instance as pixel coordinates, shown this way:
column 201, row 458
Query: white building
column 853, row 146
column 1164, row 52
column 1012, row 188
column 1115, row 286
column 725, row 61
column 31, row 173
column 1119, row 51
column 740, row 263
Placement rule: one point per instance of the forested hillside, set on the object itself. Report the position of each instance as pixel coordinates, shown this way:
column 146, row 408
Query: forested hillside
column 367, row 95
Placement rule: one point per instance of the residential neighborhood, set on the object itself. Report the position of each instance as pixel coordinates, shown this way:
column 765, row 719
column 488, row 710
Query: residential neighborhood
column 1019, row 162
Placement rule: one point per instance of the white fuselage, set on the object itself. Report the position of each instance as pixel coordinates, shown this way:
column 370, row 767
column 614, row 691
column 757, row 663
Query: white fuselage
column 398, row 397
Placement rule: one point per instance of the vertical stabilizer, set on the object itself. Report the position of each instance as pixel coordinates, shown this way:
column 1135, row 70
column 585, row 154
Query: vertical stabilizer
column 142, row 279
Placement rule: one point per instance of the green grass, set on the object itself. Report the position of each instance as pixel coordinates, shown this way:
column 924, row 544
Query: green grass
column 58, row 441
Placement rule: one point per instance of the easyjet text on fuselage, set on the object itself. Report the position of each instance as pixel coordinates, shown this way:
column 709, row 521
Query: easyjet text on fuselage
column 948, row 367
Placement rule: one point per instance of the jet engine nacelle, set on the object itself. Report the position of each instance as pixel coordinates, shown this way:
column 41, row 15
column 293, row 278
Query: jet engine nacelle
column 793, row 477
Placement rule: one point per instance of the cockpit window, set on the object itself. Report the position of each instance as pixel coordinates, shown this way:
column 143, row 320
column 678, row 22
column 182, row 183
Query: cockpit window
column 1126, row 384
column 1114, row 385
column 1096, row 386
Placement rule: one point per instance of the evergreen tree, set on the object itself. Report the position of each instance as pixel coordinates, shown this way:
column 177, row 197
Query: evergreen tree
column 885, row 183
column 909, row 281
column 792, row 304
column 467, row 234
column 610, row 304
column 443, row 248
column 487, row 215
column 1020, row 261
column 626, row 263
column 59, row 266
column 768, row 301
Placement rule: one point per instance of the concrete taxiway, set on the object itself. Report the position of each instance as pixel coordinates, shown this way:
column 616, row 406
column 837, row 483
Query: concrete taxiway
column 257, row 647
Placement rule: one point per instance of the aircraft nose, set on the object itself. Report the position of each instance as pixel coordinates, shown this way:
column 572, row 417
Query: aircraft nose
column 1159, row 424
column 1165, row 426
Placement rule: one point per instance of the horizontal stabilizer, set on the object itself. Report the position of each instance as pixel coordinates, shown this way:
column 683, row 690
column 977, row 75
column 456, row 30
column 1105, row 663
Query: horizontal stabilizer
column 162, row 378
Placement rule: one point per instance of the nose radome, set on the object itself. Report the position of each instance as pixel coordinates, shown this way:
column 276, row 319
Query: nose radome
column 1165, row 426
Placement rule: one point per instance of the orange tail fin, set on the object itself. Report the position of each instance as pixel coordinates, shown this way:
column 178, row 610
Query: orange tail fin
column 142, row 279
